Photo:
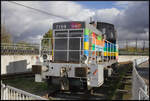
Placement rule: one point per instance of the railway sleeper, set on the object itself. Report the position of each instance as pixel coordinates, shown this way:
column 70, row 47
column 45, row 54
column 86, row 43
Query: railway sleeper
column 78, row 95
column 122, row 91
column 127, row 78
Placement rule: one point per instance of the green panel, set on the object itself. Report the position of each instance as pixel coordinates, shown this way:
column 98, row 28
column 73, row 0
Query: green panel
column 104, row 49
column 90, row 31
column 93, row 46
column 116, row 50
column 108, row 49
column 111, row 50
column 99, row 37
column 86, row 31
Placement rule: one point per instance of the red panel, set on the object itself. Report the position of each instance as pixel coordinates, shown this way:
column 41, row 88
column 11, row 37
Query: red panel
column 93, row 34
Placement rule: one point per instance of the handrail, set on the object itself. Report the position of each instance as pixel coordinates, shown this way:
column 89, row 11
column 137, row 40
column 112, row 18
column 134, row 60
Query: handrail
column 9, row 93
column 137, row 82
column 146, row 96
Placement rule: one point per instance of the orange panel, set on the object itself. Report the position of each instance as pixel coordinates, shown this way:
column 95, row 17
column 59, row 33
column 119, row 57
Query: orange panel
column 93, row 40
column 93, row 53
column 103, row 43
column 100, row 43
column 97, row 42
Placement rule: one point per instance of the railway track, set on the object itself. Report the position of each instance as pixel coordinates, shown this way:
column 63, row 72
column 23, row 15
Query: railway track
column 78, row 95
column 109, row 90
column 17, row 75
column 113, row 86
column 97, row 94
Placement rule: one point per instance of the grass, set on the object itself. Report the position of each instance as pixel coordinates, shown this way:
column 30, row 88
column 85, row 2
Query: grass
column 116, row 84
column 133, row 51
column 127, row 96
column 28, row 85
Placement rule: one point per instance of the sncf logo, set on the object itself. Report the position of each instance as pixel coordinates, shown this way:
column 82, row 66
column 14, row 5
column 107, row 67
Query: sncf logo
column 75, row 25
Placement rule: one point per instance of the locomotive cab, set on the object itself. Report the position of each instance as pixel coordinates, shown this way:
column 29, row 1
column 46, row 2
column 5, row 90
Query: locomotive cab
column 80, row 53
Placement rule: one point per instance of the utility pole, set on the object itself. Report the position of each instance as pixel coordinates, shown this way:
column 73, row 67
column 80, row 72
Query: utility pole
column 127, row 45
column 136, row 44
column 143, row 45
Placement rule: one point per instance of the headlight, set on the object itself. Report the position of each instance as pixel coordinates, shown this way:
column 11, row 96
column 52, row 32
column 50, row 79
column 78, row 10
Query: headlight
column 44, row 56
column 83, row 58
column 45, row 68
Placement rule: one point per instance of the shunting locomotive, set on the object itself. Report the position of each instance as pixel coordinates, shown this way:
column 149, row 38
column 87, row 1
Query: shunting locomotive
column 83, row 54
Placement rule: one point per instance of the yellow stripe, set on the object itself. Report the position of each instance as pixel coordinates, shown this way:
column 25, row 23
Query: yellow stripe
column 86, row 45
column 112, row 54
column 116, row 54
column 105, row 53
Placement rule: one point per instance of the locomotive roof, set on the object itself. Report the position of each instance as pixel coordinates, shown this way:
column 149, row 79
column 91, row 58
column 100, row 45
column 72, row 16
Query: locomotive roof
column 86, row 25
column 106, row 23
column 68, row 21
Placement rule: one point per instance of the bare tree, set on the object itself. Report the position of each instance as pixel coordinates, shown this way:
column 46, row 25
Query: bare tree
column 5, row 35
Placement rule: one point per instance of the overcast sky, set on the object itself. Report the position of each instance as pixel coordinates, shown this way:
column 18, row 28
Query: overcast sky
column 131, row 19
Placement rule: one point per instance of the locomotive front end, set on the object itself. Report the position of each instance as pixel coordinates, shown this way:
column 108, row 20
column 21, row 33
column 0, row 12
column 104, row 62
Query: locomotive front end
column 76, row 58
column 68, row 68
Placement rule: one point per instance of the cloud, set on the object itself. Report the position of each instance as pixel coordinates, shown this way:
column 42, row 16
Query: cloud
column 84, row 15
column 36, row 39
column 133, row 22
column 106, row 15
column 26, row 24
column 63, row 8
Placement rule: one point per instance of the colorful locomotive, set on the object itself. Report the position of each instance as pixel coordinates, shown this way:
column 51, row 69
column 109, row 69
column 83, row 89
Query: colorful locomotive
column 81, row 52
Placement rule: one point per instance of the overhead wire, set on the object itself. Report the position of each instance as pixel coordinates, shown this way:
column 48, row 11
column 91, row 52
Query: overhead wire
column 44, row 12
column 57, row 4
column 51, row 14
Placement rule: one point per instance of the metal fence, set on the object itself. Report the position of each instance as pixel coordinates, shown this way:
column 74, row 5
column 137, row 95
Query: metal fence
column 13, row 48
column 11, row 93
column 139, row 87
column 136, row 47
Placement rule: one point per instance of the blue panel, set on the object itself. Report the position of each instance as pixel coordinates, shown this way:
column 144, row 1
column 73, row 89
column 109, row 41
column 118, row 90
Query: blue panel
column 86, row 52
column 86, row 38
column 112, row 45
column 108, row 44
column 105, row 44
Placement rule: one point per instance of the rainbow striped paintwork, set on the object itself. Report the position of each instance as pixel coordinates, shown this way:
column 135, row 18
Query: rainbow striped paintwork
column 98, row 44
